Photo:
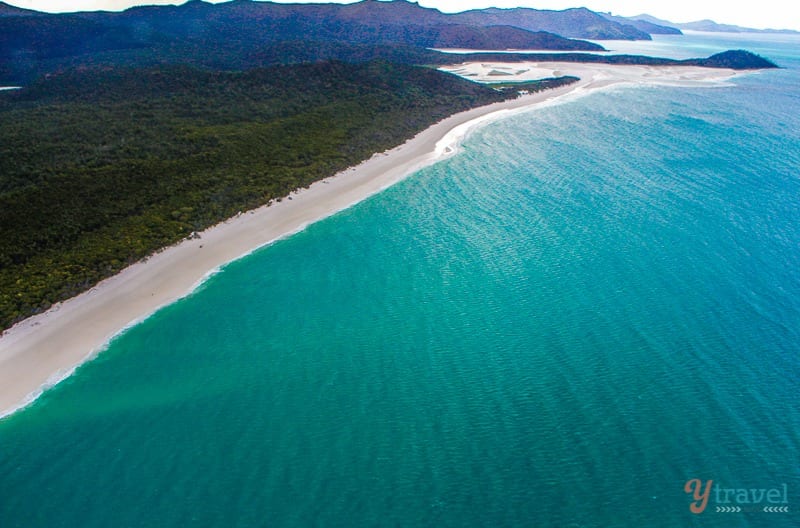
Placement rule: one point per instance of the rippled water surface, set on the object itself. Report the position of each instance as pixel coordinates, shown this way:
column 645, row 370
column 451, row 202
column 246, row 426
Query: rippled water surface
column 590, row 305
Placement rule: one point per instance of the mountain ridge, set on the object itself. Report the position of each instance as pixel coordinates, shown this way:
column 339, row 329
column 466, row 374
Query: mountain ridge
column 222, row 35
column 648, row 26
column 710, row 26
column 574, row 23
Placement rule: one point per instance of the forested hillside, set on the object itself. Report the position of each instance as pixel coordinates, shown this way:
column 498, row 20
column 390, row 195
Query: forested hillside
column 100, row 168
column 244, row 34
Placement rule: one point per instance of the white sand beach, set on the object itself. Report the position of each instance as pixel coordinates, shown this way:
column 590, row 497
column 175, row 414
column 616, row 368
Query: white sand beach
column 44, row 349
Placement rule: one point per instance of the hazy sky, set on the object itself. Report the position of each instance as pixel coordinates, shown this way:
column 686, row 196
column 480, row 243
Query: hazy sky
column 758, row 14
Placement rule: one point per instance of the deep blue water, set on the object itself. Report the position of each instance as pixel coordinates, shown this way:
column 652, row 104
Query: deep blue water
column 590, row 305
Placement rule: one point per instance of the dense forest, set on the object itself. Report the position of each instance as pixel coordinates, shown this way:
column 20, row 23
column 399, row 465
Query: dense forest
column 100, row 168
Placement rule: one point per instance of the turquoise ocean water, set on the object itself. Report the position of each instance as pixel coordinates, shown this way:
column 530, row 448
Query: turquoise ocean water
column 590, row 305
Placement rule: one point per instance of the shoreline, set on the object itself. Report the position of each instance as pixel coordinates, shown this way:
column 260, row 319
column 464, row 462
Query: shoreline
column 42, row 350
